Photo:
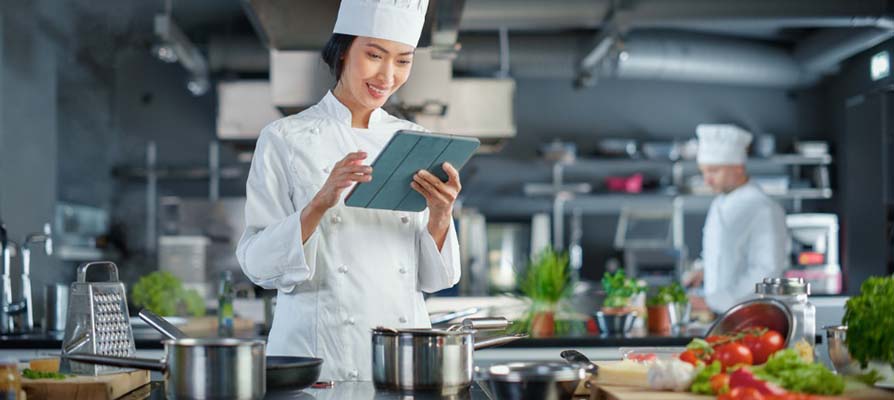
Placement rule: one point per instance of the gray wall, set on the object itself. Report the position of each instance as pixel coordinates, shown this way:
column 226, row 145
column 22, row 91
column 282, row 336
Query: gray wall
column 28, row 128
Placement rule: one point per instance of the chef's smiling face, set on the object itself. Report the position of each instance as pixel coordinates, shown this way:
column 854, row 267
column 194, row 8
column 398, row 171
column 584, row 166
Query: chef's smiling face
column 374, row 69
column 723, row 178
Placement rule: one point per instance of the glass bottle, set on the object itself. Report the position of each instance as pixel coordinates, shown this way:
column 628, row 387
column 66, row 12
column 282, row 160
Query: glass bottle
column 225, row 305
column 10, row 382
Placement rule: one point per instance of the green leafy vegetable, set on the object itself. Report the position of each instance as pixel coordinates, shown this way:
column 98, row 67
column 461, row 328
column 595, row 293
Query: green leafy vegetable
column 701, row 384
column 162, row 293
column 869, row 378
column 548, row 280
column 787, row 369
column 619, row 289
column 673, row 293
column 32, row 374
column 870, row 322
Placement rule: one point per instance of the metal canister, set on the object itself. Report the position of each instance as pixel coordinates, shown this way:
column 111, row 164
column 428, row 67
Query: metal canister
column 794, row 293
column 55, row 307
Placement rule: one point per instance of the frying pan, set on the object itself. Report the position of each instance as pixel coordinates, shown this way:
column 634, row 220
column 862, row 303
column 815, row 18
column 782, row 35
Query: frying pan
column 283, row 372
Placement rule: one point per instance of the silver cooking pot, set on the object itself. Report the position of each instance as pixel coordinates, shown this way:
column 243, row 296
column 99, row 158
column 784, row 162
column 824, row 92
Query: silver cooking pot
column 212, row 368
column 436, row 360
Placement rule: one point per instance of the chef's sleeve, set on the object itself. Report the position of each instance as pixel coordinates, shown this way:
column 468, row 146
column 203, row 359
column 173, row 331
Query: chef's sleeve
column 438, row 269
column 766, row 246
column 270, row 251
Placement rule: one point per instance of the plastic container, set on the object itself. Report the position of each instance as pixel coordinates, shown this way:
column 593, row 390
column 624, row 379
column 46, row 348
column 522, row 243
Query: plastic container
column 648, row 354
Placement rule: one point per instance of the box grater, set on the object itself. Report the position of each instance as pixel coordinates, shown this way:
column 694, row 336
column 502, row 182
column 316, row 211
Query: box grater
column 98, row 321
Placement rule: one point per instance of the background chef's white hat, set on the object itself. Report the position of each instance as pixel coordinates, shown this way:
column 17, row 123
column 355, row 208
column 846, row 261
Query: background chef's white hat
column 722, row 144
column 397, row 20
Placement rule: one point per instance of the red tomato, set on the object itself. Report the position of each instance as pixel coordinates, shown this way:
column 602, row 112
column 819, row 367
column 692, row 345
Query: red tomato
column 732, row 354
column 763, row 346
column 745, row 393
column 720, row 383
column 689, row 357
column 716, row 338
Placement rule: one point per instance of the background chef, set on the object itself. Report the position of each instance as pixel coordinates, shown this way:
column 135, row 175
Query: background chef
column 744, row 237
column 341, row 271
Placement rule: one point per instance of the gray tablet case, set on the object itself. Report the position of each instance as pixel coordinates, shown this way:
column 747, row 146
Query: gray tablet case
column 406, row 153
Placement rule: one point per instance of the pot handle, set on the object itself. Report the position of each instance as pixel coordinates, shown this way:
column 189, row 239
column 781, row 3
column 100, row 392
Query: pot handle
column 483, row 324
column 497, row 341
column 127, row 362
column 160, row 324
column 576, row 357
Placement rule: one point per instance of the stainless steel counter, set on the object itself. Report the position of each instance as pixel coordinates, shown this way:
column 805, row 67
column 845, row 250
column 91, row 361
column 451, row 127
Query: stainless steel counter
column 346, row 391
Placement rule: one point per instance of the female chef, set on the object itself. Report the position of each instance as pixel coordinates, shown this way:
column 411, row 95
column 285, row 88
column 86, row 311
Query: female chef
column 341, row 271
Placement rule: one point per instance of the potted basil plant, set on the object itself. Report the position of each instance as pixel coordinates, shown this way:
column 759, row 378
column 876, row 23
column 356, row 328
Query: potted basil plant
column 667, row 308
column 617, row 315
column 547, row 284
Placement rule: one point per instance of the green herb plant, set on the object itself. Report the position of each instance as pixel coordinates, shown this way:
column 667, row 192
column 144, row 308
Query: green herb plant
column 32, row 374
column 547, row 283
column 870, row 322
column 673, row 293
column 162, row 293
column 619, row 289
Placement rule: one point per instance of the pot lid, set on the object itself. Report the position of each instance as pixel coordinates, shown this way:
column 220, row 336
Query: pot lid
column 533, row 371
column 783, row 286
column 418, row 332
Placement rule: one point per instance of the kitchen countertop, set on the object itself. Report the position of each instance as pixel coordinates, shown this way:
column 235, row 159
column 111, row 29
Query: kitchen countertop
column 149, row 340
column 344, row 391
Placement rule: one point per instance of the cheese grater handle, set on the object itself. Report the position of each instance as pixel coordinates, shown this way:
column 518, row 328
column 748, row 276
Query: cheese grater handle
column 113, row 270
column 160, row 324
column 127, row 362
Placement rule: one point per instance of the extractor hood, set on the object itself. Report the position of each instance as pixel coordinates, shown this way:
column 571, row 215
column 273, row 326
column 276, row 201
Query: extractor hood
column 244, row 108
column 307, row 24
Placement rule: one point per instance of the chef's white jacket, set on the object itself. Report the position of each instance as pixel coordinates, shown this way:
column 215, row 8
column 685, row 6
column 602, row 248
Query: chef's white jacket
column 744, row 241
column 360, row 268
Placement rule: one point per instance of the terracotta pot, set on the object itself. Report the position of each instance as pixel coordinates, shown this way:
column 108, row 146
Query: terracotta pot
column 543, row 324
column 659, row 319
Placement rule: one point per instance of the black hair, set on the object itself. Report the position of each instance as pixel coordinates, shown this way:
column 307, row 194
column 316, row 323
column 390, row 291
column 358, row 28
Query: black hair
column 334, row 52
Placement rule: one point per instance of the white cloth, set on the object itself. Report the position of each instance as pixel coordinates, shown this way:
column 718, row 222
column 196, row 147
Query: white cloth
column 361, row 268
column 396, row 20
column 744, row 242
column 722, row 144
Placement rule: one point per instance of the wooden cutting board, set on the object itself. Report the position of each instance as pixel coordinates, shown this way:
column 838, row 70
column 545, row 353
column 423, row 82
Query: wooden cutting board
column 104, row 387
column 634, row 393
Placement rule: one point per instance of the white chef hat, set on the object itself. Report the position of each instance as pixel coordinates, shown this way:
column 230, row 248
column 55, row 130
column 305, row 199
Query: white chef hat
column 722, row 144
column 397, row 20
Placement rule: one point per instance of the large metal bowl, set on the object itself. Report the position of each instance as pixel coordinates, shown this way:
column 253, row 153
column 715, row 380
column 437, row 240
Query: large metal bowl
column 614, row 324
column 768, row 313
column 532, row 380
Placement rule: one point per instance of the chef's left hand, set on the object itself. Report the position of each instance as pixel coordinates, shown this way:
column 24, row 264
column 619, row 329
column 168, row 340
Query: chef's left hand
column 439, row 196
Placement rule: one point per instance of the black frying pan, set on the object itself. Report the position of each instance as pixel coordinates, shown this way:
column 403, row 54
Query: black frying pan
column 292, row 373
column 283, row 372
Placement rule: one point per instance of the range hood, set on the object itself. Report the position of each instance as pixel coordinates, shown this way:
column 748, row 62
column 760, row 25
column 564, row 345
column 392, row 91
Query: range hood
column 244, row 108
column 275, row 21
column 298, row 79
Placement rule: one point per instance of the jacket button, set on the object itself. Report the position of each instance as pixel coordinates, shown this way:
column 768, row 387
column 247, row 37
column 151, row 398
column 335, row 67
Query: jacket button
column 402, row 270
column 326, row 170
column 315, row 130
column 349, row 321
column 335, row 219
column 343, row 269
column 403, row 320
column 405, row 219
column 353, row 374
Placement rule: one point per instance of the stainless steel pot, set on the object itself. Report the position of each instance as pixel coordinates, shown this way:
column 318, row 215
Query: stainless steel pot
column 436, row 360
column 213, row 368
column 537, row 380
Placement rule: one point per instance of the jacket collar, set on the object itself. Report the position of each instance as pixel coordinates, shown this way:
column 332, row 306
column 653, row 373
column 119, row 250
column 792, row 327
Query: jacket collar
column 333, row 108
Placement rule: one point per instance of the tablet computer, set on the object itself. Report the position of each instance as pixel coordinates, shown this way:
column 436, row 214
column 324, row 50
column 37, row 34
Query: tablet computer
column 405, row 154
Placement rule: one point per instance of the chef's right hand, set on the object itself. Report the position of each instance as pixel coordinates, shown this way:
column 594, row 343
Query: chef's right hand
column 344, row 174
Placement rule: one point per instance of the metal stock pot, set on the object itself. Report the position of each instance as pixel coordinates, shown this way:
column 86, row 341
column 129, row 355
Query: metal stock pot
column 436, row 360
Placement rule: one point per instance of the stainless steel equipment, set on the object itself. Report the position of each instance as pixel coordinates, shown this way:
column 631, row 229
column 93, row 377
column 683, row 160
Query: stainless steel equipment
column 97, row 321
column 432, row 360
column 214, row 368
column 768, row 313
column 792, row 292
column 32, row 239
column 18, row 316
column 836, row 336
column 532, row 380
column 55, row 302
column 814, row 251
column 652, row 242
